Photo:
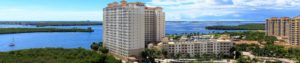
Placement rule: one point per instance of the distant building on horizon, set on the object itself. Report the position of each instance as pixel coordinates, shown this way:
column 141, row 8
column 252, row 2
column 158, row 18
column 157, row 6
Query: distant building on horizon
column 128, row 27
column 284, row 28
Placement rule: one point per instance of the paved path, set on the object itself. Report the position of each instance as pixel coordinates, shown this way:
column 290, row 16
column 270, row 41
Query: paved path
column 284, row 60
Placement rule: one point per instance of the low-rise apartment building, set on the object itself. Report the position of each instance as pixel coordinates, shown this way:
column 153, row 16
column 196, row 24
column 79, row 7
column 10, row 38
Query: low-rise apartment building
column 199, row 46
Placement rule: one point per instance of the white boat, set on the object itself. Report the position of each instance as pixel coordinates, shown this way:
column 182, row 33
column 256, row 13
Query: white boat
column 12, row 44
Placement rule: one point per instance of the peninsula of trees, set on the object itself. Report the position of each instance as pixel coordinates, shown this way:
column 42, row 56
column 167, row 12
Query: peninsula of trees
column 239, row 27
column 30, row 30
column 52, row 23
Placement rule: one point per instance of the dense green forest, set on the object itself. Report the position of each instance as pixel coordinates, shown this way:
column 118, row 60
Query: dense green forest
column 105, row 58
column 52, row 23
column 239, row 27
column 253, row 36
column 29, row 30
column 271, row 50
column 268, row 49
column 55, row 55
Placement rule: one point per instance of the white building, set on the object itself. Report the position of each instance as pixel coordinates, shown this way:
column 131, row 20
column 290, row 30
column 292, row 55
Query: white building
column 128, row 26
column 199, row 46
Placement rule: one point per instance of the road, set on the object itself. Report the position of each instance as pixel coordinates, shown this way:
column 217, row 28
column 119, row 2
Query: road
column 284, row 60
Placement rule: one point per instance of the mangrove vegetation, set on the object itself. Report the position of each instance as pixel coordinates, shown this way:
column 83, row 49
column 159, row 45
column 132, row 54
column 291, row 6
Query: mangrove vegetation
column 239, row 27
column 52, row 23
column 30, row 30
column 105, row 58
column 55, row 55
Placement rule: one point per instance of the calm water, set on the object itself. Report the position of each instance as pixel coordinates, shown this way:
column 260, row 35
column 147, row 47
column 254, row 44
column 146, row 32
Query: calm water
column 84, row 39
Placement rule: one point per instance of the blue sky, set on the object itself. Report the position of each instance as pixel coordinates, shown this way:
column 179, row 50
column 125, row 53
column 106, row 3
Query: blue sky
column 176, row 10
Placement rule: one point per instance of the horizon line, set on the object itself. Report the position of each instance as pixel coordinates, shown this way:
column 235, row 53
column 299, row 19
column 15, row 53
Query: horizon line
column 90, row 20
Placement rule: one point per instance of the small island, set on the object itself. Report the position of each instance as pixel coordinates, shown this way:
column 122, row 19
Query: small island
column 239, row 27
column 30, row 30
column 52, row 23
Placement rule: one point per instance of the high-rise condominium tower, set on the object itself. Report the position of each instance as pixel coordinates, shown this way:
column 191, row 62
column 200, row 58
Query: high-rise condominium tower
column 154, row 23
column 294, row 36
column 278, row 26
column 284, row 27
column 128, row 26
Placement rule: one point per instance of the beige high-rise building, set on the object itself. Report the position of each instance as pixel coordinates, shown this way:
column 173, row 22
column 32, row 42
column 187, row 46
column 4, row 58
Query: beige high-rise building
column 155, row 24
column 278, row 27
column 128, row 26
column 284, row 28
column 294, row 36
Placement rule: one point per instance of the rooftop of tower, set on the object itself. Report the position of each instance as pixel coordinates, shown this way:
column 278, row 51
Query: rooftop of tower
column 124, row 3
column 297, row 17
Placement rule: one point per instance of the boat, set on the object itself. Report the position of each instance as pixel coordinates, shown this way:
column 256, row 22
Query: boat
column 12, row 44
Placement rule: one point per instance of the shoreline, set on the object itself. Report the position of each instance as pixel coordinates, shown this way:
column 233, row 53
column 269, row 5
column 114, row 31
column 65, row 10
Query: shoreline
column 238, row 27
column 34, row 30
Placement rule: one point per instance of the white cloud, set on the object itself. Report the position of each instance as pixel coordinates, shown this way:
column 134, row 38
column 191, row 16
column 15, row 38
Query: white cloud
column 269, row 4
column 100, row 17
column 52, row 15
column 192, row 9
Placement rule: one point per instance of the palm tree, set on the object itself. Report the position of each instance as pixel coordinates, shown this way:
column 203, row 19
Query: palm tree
column 177, row 56
column 164, row 53
column 94, row 46
column 220, row 56
column 148, row 55
column 187, row 55
column 171, row 55
column 232, row 49
column 205, row 56
column 198, row 56
column 103, row 50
